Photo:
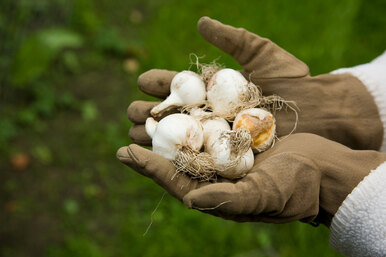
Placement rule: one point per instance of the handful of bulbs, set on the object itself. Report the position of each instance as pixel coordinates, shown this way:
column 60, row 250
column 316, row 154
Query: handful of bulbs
column 224, row 120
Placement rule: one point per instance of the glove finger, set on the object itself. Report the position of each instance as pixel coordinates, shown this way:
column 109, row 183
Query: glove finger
column 139, row 111
column 156, row 82
column 139, row 136
column 158, row 168
column 223, row 198
column 259, row 56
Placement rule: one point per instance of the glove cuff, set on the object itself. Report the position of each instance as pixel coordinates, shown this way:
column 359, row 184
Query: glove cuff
column 359, row 226
column 373, row 76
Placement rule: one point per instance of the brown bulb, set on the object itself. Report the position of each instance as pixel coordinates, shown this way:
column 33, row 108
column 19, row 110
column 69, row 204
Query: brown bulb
column 261, row 125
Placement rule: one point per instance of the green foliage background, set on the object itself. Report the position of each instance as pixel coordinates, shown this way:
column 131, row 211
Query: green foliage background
column 68, row 71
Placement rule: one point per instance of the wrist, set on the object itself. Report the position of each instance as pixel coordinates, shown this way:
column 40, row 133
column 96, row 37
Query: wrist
column 342, row 170
column 358, row 227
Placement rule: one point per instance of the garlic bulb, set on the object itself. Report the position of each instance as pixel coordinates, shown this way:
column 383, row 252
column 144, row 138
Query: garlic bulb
column 179, row 138
column 261, row 125
column 226, row 90
column 174, row 132
column 186, row 88
column 230, row 161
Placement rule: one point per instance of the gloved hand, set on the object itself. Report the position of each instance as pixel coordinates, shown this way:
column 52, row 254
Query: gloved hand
column 337, row 107
column 303, row 177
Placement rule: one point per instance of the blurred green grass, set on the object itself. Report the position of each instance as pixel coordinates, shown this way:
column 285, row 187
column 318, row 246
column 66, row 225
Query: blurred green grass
column 63, row 117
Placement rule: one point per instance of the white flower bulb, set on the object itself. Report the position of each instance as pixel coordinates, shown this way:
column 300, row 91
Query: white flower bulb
column 244, row 165
column 261, row 125
column 186, row 88
column 229, row 162
column 174, row 132
column 226, row 90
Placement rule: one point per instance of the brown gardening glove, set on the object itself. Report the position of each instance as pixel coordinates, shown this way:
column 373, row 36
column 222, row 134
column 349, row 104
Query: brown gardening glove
column 303, row 177
column 337, row 107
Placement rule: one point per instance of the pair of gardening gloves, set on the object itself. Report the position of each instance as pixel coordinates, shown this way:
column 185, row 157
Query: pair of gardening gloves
column 305, row 176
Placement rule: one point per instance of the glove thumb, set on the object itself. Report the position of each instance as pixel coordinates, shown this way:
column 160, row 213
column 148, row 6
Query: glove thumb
column 156, row 167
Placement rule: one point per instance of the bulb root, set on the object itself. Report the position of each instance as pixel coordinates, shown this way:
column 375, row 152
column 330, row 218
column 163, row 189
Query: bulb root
column 206, row 70
column 197, row 165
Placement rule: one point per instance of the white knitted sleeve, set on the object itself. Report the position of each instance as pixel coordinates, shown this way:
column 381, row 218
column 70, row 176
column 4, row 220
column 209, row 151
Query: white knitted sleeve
column 358, row 228
column 373, row 76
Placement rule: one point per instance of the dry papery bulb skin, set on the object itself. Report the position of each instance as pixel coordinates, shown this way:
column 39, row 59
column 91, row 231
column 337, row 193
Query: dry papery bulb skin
column 199, row 113
column 261, row 125
column 226, row 90
column 186, row 88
